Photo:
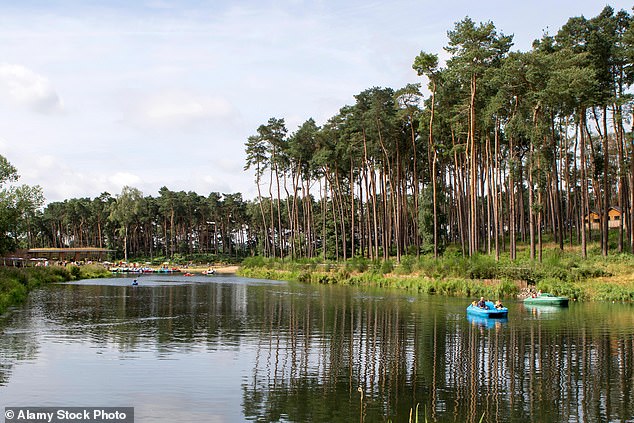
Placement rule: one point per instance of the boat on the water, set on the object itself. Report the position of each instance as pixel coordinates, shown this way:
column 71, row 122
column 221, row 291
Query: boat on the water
column 547, row 299
column 209, row 272
column 490, row 311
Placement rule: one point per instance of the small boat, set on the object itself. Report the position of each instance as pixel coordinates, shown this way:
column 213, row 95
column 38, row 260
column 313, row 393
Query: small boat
column 167, row 270
column 547, row 299
column 209, row 272
column 134, row 282
column 188, row 274
column 490, row 311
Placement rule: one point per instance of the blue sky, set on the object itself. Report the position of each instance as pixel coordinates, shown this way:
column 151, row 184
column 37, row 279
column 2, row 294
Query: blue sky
column 96, row 95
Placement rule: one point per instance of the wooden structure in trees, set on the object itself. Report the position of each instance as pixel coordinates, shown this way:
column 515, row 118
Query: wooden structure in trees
column 614, row 219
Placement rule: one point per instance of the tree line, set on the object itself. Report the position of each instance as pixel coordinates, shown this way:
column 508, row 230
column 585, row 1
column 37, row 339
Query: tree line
column 504, row 147
column 136, row 225
column 130, row 223
column 508, row 146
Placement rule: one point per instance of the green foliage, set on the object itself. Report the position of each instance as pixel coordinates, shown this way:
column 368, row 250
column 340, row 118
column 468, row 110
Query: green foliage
column 387, row 266
column 254, row 262
column 453, row 274
column 19, row 207
column 483, row 267
column 560, row 288
column 15, row 283
column 357, row 264
column 614, row 292
column 426, row 221
column 406, row 266
column 75, row 272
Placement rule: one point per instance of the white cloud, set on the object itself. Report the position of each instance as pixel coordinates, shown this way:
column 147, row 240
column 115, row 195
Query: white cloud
column 178, row 110
column 124, row 178
column 21, row 85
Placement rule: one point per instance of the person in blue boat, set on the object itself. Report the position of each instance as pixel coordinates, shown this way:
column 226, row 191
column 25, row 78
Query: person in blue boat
column 134, row 282
column 482, row 303
column 499, row 305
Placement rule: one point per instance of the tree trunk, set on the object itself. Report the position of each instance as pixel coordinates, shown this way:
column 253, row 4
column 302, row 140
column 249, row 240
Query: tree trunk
column 512, row 220
column 473, row 215
column 584, row 185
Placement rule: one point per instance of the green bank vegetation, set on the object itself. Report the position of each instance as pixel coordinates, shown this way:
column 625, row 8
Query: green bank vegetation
column 15, row 283
column 562, row 273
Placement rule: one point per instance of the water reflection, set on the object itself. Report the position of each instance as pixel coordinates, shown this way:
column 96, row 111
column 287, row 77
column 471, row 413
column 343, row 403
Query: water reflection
column 284, row 352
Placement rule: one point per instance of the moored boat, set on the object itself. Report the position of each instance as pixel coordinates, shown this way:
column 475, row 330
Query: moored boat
column 490, row 311
column 547, row 299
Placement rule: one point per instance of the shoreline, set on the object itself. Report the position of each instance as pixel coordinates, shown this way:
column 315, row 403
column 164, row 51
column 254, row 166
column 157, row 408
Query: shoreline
column 222, row 270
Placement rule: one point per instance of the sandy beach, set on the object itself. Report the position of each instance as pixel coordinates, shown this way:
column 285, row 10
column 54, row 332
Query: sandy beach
column 219, row 269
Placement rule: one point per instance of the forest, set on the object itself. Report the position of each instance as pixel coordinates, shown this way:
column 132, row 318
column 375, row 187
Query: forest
column 491, row 149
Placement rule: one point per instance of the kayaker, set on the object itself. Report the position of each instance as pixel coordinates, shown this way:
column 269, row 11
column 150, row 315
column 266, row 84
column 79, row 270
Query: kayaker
column 482, row 303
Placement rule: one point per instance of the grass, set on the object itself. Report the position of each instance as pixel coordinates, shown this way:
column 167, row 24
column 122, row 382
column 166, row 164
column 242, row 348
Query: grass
column 564, row 273
column 15, row 283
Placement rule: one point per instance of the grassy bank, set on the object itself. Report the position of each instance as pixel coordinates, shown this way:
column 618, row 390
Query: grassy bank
column 561, row 273
column 15, row 283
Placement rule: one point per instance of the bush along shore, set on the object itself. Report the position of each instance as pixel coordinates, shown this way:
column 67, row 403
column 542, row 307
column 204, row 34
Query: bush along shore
column 15, row 283
column 597, row 278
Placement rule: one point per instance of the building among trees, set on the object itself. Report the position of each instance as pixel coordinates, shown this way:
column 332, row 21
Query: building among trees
column 614, row 219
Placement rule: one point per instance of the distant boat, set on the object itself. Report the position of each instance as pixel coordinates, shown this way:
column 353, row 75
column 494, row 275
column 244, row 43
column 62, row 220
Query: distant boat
column 209, row 272
column 188, row 274
column 167, row 270
column 547, row 299
column 134, row 282
column 490, row 311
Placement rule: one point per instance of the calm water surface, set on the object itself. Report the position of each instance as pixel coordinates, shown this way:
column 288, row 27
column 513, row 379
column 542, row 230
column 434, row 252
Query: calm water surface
column 229, row 349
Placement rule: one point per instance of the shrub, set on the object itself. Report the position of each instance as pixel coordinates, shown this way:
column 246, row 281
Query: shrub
column 614, row 293
column 255, row 261
column 357, row 264
column 483, row 267
column 304, row 277
column 557, row 287
column 407, row 265
column 387, row 266
column 343, row 274
column 75, row 271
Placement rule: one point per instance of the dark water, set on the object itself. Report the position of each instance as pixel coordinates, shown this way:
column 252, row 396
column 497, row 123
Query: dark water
column 228, row 349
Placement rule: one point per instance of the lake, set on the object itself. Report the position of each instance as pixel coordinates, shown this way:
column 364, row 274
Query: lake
column 230, row 349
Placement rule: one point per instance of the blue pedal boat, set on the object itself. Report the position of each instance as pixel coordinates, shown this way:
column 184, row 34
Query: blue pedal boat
column 490, row 311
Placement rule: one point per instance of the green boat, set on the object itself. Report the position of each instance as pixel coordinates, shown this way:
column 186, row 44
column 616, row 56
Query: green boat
column 547, row 299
